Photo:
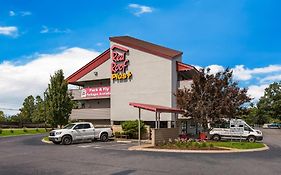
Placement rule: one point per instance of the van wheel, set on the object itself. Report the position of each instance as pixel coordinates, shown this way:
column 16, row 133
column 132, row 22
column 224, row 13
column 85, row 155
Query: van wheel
column 251, row 139
column 216, row 137
column 66, row 140
column 104, row 137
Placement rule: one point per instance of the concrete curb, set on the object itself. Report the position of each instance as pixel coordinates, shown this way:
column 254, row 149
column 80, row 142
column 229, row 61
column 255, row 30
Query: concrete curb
column 45, row 141
column 146, row 148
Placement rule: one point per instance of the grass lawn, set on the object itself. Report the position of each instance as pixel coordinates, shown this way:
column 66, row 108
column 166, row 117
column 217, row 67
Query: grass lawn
column 210, row 145
column 21, row 131
column 46, row 138
column 239, row 145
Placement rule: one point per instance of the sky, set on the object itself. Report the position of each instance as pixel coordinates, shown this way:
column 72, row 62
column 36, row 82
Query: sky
column 40, row 37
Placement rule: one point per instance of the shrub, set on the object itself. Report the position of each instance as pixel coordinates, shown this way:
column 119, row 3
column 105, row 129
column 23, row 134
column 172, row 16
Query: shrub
column 117, row 134
column 1, row 130
column 37, row 130
column 130, row 128
column 24, row 129
column 197, row 145
column 211, row 145
column 11, row 130
column 203, row 145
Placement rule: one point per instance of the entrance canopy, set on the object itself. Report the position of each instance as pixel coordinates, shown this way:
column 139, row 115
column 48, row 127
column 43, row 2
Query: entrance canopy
column 156, row 108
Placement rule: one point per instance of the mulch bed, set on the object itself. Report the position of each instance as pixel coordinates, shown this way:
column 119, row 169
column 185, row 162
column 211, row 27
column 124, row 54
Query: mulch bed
column 192, row 148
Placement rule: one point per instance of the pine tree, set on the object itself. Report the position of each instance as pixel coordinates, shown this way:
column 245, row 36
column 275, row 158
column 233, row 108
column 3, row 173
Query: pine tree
column 58, row 99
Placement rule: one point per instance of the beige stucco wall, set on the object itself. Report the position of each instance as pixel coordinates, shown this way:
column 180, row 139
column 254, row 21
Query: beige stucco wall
column 164, row 135
column 153, row 82
column 103, row 72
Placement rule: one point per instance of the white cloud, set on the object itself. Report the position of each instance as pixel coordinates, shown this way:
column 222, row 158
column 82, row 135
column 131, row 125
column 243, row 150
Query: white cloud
column 215, row 68
column 46, row 29
column 140, row 9
column 242, row 73
column 99, row 44
column 25, row 13
column 271, row 78
column 21, row 13
column 256, row 91
column 9, row 31
column 19, row 81
column 12, row 13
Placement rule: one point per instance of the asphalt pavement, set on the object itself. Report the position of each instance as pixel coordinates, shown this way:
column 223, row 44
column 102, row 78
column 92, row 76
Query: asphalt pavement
column 28, row 155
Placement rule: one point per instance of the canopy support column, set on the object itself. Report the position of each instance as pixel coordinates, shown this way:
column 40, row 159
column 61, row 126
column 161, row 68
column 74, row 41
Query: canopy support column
column 139, row 126
column 156, row 122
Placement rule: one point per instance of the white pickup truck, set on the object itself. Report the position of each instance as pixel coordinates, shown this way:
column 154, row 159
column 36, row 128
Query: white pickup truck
column 78, row 132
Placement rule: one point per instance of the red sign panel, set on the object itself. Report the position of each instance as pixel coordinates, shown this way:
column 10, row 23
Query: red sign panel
column 95, row 92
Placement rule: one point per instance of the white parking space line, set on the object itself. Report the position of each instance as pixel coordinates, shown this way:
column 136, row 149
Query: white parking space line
column 109, row 146
column 86, row 146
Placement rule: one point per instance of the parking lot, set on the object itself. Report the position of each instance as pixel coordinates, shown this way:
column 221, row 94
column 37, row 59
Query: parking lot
column 28, row 155
column 112, row 145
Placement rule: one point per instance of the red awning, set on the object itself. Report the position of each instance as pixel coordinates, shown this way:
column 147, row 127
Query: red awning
column 184, row 67
column 156, row 108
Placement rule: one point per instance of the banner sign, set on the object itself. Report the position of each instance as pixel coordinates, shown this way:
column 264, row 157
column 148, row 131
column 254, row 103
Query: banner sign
column 95, row 92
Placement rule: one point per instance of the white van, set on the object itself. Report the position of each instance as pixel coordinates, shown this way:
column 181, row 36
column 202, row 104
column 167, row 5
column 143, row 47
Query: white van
column 235, row 129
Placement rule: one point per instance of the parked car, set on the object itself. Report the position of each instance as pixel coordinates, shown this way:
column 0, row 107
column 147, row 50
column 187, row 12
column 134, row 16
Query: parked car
column 272, row 126
column 235, row 129
column 79, row 131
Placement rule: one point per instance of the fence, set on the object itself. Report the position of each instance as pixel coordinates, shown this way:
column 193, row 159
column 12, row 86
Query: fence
column 21, row 125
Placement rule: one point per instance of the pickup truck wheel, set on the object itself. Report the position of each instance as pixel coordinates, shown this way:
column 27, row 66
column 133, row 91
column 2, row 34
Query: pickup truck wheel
column 104, row 137
column 251, row 139
column 57, row 143
column 216, row 137
column 66, row 140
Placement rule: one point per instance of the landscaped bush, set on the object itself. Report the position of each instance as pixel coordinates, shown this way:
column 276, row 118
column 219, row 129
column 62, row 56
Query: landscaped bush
column 25, row 129
column 37, row 130
column 11, row 131
column 117, row 134
column 0, row 130
column 206, row 145
column 130, row 128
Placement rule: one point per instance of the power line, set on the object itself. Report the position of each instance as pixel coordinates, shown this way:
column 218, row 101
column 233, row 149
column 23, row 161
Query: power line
column 9, row 109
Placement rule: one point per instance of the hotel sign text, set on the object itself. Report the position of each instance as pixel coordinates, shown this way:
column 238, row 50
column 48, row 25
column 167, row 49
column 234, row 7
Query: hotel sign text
column 119, row 64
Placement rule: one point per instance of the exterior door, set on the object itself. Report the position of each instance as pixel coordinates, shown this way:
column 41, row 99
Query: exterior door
column 78, row 131
column 89, row 132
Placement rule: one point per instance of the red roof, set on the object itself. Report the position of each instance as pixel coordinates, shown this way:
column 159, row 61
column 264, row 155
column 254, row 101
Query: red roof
column 156, row 108
column 184, row 67
column 89, row 67
column 146, row 46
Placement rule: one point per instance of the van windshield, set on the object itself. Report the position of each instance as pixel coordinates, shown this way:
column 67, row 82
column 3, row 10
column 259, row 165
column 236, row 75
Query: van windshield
column 69, row 126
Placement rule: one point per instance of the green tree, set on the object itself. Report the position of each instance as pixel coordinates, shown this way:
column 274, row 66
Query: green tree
column 212, row 97
column 253, row 116
column 28, row 107
column 270, row 103
column 2, row 116
column 38, row 115
column 131, row 128
column 59, row 101
column 13, row 118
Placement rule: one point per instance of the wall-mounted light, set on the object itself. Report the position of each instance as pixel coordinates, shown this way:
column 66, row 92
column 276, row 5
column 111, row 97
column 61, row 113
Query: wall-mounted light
column 96, row 73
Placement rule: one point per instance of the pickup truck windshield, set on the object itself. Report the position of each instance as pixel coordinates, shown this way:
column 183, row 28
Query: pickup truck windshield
column 69, row 126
